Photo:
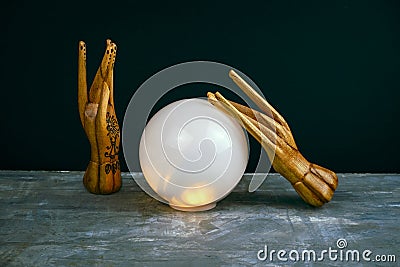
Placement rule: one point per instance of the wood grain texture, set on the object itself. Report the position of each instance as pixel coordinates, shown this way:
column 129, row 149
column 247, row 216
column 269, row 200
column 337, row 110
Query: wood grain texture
column 47, row 219
column 314, row 184
column 98, row 118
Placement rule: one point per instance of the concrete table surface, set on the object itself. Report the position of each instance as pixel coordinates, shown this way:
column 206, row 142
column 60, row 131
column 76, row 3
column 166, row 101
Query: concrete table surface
column 49, row 219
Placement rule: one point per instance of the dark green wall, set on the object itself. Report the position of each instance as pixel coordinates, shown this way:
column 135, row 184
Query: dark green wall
column 332, row 68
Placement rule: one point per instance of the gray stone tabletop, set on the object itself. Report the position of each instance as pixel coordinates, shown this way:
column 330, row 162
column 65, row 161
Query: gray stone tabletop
column 49, row 219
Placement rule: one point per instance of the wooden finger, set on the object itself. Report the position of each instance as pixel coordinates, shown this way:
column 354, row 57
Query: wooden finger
column 318, row 186
column 253, row 129
column 307, row 195
column 90, row 129
column 82, row 83
column 257, row 99
column 214, row 101
column 101, row 122
column 268, row 122
column 110, row 76
column 102, row 72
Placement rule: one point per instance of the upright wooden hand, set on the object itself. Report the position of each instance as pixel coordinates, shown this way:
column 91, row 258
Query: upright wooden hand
column 97, row 114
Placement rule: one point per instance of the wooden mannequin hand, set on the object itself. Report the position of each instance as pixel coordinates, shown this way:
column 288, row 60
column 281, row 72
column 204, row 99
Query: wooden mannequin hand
column 97, row 114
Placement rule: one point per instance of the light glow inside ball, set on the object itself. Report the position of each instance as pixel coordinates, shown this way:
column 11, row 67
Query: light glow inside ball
column 192, row 154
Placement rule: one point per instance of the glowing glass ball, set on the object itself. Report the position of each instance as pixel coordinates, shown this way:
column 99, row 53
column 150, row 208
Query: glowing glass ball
column 192, row 154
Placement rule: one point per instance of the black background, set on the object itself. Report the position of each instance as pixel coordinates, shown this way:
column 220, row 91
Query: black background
column 332, row 69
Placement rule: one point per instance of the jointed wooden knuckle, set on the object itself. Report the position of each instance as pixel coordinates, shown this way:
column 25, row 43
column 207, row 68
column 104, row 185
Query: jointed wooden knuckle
column 315, row 184
column 98, row 118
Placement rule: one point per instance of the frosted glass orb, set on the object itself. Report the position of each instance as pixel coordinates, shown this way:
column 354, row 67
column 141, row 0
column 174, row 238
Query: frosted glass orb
column 192, row 154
